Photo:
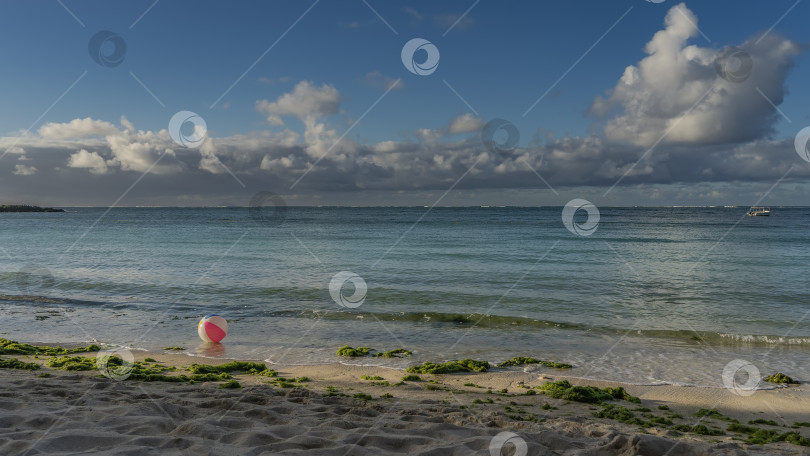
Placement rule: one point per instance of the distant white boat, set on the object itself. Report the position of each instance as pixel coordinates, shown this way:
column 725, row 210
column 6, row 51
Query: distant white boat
column 759, row 211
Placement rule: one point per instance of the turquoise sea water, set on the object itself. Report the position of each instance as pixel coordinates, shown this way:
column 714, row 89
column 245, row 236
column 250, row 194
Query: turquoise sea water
column 653, row 295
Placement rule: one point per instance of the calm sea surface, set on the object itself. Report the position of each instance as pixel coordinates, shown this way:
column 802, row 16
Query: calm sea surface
column 653, row 295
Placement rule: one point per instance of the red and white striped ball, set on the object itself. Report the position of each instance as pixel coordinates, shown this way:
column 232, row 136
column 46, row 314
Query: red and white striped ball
column 212, row 328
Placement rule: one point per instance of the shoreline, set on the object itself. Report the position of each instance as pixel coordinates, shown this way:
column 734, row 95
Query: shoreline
column 366, row 404
column 184, row 357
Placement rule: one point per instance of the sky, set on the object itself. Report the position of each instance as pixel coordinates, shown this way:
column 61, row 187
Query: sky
column 366, row 103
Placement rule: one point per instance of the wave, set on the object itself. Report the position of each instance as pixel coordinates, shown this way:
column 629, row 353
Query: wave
column 466, row 320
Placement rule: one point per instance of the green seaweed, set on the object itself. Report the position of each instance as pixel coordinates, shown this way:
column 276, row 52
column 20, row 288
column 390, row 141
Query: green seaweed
column 759, row 436
column 464, row 365
column 370, row 377
column 174, row 348
column 11, row 347
column 522, row 361
column 363, row 397
column 621, row 414
column 396, row 353
column 138, row 371
column 780, row 378
column 436, row 388
column 764, row 421
column 713, row 413
column 353, row 352
column 702, row 429
column 233, row 366
column 333, row 391
column 742, row 429
column 710, row 413
column 563, row 389
column 230, row 384
column 72, row 363
column 659, row 420
column 411, row 378
column 12, row 363
column 149, row 360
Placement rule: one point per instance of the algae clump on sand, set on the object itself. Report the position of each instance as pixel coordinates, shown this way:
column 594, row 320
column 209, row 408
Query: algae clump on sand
column 353, row 352
column 11, row 347
column 17, row 364
column 780, row 378
column 522, row 361
column 464, row 365
column 563, row 389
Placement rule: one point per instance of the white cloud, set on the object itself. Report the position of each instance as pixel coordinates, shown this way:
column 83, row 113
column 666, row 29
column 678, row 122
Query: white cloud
column 92, row 161
column 16, row 150
column 675, row 94
column 306, row 101
column 127, row 124
column 465, row 123
column 140, row 151
column 23, row 170
column 77, row 128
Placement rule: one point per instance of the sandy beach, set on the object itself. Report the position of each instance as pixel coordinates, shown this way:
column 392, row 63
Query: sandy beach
column 340, row 409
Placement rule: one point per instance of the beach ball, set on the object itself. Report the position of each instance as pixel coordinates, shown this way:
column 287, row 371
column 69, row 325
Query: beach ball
column 212, row 328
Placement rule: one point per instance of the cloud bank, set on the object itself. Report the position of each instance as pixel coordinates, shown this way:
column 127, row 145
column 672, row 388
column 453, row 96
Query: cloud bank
column 671, row 118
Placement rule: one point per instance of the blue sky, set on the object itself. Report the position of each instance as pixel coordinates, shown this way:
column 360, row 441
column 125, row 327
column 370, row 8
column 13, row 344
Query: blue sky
column 499, row 57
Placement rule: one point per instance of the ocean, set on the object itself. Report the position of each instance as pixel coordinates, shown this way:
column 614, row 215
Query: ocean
column 650, row 296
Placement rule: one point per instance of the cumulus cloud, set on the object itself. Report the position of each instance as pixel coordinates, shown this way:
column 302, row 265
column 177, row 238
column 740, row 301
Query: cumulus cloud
column 143, row 151
column 77, row 128
column 306, row 102
column 22, row 170
column 676, row 95
column 465, row 123
column 92, row 161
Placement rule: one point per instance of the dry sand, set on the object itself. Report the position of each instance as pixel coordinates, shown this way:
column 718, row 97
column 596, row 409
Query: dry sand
column 80, row 413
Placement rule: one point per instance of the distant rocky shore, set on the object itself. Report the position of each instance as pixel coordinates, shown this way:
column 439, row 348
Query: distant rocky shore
column 26, row 208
